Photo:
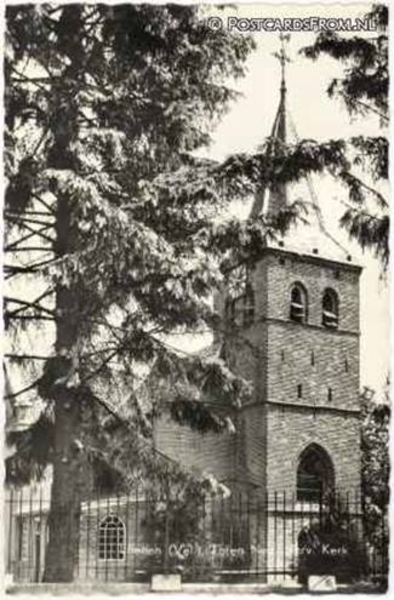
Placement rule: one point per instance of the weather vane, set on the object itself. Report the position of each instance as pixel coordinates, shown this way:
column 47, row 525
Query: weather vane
column 282, row 55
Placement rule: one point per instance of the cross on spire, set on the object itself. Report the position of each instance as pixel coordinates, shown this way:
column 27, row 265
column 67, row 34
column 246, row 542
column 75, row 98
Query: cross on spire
column 278, row 134
column 283, row 58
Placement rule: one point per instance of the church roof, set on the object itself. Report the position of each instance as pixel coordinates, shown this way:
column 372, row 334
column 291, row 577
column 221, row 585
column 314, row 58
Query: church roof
column 309, row 236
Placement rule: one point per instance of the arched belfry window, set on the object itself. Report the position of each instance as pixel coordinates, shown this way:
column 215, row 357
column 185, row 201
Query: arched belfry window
column 248, row 309
column 298, row 304
column 111, row 542
column 330, row 309
column 315, row 474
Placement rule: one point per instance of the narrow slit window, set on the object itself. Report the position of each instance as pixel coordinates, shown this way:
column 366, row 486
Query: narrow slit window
column 299, row 390
column 329, row 394
column 248, row 312
column 330, row 313
column 230, row 310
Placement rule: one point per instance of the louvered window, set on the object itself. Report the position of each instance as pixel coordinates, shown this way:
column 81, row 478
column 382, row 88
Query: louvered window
column 298, row 304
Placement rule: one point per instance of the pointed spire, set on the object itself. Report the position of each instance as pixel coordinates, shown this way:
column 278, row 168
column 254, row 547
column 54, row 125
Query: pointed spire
column 279, row 129
column 275, row 197
column 309, row 237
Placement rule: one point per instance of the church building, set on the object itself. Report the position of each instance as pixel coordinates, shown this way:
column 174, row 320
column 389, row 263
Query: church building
column 290, row 327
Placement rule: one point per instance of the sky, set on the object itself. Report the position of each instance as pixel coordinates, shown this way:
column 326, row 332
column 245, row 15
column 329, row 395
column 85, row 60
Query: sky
column 317, row 117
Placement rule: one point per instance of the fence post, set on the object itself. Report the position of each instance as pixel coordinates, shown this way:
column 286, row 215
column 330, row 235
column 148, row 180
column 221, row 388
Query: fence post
column 167, row 533
column 10, row 537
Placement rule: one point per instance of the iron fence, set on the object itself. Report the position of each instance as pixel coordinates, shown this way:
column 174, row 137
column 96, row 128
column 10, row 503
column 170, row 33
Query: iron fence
column 247, row 536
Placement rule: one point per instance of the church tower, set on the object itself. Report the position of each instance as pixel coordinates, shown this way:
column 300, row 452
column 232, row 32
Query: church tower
column 291, row 328
column 293, row 323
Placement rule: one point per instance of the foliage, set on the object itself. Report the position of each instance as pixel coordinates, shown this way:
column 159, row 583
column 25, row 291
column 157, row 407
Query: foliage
column 331, row 543
column 375, row 466
column 337, row 526
column 364, row 90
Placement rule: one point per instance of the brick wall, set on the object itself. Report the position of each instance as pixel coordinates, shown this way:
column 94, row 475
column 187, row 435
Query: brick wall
column 319, row 360
column 316, row 275
column 277, row 355
column 210, row 452
column 290, row 430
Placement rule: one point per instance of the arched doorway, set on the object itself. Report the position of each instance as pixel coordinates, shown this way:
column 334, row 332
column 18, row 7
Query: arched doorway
column 315, row 474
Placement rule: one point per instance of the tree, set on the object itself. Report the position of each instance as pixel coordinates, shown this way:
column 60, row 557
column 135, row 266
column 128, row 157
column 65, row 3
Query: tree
column 104, row 109
column 364, row 91
column 375, row 467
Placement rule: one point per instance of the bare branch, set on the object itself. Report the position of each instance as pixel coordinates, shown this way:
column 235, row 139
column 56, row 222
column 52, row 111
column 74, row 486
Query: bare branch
column 28, row 236
column 26, row 305
column 38, row 232
column 19, row 218
column 22, row 391
column 26, row 357
column 30, row 249
column 14, row 316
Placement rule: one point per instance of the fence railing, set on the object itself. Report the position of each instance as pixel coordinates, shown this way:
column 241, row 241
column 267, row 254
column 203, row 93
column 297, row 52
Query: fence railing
column 247, row 536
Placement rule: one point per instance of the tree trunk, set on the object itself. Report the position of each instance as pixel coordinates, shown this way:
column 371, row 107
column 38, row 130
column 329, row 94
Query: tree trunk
column 68, row 466
column 62, row 549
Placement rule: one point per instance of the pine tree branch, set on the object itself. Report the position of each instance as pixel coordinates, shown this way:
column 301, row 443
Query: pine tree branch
column 366, row 106
column 47, row 206
column 123, row 421
column 348, row 177
column 40, row 141
column 37, row 81
column 102, row 366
